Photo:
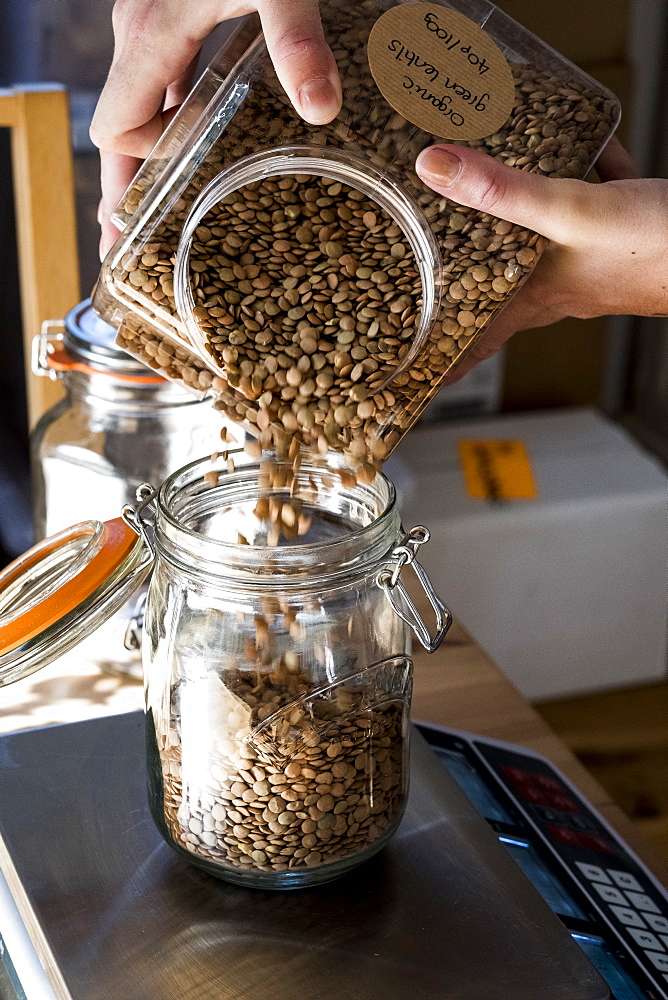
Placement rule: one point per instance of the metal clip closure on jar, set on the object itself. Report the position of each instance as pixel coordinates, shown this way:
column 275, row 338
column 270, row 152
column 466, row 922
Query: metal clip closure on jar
column 389, row 579
column 134, row 514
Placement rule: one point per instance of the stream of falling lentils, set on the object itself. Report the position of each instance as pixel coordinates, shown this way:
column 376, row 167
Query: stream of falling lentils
column 308, row 298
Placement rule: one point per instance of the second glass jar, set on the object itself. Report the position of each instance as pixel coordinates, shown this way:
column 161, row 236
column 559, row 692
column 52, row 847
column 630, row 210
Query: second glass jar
column 118, row 425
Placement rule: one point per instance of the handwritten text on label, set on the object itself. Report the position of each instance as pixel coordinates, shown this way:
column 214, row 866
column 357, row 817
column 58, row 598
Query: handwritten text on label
column 441, row 71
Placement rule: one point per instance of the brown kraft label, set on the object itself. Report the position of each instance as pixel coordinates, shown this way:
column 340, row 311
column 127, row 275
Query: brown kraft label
column 441, row 71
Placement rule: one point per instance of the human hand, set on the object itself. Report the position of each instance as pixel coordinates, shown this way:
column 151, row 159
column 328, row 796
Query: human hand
column 157, row 44
column 608, row 253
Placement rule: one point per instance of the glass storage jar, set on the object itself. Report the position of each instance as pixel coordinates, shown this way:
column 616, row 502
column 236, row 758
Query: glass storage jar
column 118, row 426
column 278, row 679
column 249, row 235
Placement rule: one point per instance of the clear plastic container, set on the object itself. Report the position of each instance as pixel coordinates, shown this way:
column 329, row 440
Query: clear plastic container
column 417, row 278
column 118, row 426
column 278, row 679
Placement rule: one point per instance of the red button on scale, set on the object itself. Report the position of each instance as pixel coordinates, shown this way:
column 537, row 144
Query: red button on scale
column 565, row 836
column 530, row 794
column 595, row 843
column 548, row 784
column 517, row 776
column 564, row 803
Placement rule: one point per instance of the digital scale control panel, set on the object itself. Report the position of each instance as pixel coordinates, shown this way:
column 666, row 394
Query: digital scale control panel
column 612, row 905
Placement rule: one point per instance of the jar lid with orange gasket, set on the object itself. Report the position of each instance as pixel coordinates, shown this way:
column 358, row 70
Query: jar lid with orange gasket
column 84, row 342
column 56, row 594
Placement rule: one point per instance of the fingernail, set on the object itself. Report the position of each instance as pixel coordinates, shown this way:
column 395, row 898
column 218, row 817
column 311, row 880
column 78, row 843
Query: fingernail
column 318, row 101
column 438, row 164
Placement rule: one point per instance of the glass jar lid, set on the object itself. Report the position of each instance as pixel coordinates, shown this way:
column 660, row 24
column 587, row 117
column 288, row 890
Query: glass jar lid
column 89, row 339
column 61, row 590
column 84, row 342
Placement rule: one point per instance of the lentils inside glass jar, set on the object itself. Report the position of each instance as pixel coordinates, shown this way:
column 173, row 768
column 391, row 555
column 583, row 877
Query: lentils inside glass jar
column 299, row 795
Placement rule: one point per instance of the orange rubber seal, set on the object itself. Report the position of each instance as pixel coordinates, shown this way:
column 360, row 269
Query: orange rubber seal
column 118, row 542
column 61, row 361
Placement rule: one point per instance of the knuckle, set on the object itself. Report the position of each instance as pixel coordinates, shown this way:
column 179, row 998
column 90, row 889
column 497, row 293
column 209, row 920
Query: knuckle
column 482, row 351
column 97, row 135
column 297, row 43
column 105, row 140
column 100, row 135
column 490, row 192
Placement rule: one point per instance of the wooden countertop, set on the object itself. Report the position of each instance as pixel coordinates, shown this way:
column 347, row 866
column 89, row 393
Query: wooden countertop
column 458, row 686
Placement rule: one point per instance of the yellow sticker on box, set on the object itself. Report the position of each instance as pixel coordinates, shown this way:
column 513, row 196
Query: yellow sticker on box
column 497, row 470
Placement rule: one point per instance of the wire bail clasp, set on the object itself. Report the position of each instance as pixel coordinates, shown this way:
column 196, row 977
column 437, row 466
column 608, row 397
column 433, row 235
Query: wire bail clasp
column 50, row 338
column 388, row 579
column 134, row 516
column 133, row 633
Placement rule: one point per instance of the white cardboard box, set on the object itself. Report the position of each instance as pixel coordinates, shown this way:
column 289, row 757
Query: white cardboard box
column 569, row 592
column 477, row 394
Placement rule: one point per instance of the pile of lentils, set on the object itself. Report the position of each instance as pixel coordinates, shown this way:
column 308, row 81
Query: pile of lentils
column 313, row 790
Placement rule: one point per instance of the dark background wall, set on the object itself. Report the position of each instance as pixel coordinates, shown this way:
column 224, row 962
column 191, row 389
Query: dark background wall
column 68, row 42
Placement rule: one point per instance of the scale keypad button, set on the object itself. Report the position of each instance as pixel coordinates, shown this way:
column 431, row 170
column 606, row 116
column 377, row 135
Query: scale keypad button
column 628, row 917
column 545, row 815
column 595, row 843
column 657, row 923
column 593, row 872
column 642, row 902
column 516, row 775
column 625, row 880
column 548, row 784
column 659, row 961
column 645, row 939
column 565, row 836
column 530, row 794
column 564, row 803
column 582, row 823
column 609, row 894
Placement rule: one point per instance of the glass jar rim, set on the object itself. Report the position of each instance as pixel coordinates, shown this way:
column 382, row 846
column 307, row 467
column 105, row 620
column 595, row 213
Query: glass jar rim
column 334, row 164
column 186, row 495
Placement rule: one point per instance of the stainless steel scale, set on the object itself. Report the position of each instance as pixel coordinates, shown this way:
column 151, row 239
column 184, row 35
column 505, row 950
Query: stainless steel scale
column 446, row 910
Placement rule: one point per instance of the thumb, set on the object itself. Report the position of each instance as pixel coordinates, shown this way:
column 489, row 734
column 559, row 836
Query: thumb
column 554, row 207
